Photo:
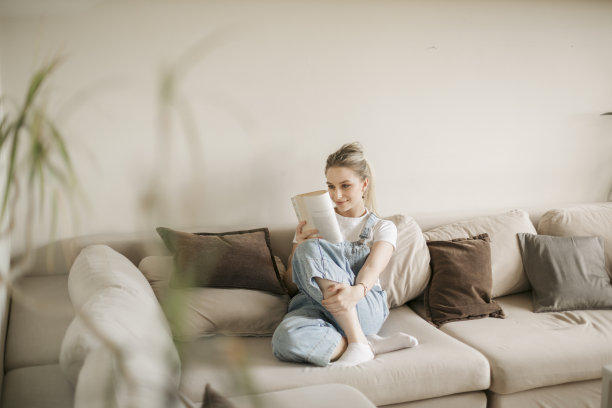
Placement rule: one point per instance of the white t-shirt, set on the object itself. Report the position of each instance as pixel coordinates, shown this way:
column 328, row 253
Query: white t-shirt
column 351, row 227
column 383, row 230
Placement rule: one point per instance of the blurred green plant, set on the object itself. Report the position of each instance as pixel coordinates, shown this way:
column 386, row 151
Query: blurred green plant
column 37, row 153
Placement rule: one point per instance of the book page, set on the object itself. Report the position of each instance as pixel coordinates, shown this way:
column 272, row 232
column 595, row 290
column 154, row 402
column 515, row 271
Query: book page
column 317, row 209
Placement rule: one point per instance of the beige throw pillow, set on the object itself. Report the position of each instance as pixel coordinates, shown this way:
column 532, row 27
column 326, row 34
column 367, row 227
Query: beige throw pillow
column 407, row 273
column 506, row 263
column 137, row 379
column 582, row 220
column 98, row 267
column 198, row 312
column 115, row 309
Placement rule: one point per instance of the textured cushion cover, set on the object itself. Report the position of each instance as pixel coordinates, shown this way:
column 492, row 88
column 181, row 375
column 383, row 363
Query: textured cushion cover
column 236, row 259
column 407, row 273
column 460, row 285
column 582, row 220
column 506, row 263
column 566, row 273
column 196, row 312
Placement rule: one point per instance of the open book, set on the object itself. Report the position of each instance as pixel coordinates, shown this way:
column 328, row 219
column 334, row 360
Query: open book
column 317, row 208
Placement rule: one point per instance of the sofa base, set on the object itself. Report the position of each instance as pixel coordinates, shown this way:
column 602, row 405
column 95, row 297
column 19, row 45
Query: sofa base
column 583, row 394
column 466, row 400
column 323, row 396
column 37, row 386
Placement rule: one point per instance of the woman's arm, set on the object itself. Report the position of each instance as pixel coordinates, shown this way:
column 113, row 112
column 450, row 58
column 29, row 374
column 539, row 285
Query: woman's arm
column 346, row 296
column 288, row 278
column 379, row 257
column 300, row 236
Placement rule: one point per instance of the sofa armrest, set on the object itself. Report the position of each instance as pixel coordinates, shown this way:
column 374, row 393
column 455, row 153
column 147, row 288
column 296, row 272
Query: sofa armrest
column 606, row 387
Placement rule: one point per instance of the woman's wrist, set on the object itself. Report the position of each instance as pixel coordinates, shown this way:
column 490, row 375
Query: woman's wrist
column 365, row 288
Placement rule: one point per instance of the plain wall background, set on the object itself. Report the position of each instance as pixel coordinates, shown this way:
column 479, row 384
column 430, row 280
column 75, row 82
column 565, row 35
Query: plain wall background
column 462, row 106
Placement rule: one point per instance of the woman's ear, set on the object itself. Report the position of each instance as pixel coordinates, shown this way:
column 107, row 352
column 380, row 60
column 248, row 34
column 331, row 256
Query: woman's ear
column 365, row 185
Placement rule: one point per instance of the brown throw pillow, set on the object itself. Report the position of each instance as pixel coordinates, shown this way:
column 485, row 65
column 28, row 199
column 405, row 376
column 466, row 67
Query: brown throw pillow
column 235, row 259
column 460, row 283
column 212, row 399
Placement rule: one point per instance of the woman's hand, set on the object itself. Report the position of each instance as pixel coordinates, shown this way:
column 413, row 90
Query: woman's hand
column 302, row 235
column 341, row 297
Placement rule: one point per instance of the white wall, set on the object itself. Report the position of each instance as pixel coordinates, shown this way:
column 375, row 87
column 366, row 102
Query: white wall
column 461, row 105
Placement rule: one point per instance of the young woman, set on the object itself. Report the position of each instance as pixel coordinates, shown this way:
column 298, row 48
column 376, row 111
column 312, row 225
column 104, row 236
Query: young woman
column 340, row 305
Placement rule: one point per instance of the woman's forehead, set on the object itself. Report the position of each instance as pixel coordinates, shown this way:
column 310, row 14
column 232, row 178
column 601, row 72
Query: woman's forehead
column 340, row 174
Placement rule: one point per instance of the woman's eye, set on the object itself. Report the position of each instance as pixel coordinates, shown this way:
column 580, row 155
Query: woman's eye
column 330, row 187
column 345, row 186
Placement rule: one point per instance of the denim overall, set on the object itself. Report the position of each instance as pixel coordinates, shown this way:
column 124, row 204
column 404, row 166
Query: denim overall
column 309, row 333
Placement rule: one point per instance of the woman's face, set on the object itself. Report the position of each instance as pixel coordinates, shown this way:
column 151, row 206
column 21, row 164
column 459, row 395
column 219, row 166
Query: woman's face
column 346, row 190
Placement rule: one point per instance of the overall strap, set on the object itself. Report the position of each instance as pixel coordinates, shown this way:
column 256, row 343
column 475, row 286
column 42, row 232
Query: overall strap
column 367, row 228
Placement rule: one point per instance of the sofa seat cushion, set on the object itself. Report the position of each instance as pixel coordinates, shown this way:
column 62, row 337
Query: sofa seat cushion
column 439, row 366
column 529, row 350
column 40, row 310
column 42, row 386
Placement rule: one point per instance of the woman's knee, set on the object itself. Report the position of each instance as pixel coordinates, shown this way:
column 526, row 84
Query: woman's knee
column 310, row 248
column 286, row 342
column 296, row 339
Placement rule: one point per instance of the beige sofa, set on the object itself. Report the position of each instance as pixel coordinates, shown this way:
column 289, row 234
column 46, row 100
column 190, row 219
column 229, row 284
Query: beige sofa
column 528, row 359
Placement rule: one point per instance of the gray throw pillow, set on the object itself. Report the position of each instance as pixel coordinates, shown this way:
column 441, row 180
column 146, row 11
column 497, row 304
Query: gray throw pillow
column 566, row 273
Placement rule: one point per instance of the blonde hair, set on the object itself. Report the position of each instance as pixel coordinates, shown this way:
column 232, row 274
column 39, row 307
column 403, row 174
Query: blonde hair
column 351, row 155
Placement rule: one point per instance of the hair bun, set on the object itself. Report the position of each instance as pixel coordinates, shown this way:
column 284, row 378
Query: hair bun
column 347, row 150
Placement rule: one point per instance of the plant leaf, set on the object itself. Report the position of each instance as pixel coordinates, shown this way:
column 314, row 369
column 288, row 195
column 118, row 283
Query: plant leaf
column 37, row 81
column 61, row 144
column 5, row 133
column 10, row 174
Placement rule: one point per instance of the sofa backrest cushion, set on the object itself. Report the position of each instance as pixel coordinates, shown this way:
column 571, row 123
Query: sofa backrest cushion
column 198, row 312
column 506, row 262
column 407, row 272
column 582, row 220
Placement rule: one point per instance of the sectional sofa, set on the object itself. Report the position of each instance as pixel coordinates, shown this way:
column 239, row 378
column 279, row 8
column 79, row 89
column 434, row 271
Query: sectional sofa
column 85, row 301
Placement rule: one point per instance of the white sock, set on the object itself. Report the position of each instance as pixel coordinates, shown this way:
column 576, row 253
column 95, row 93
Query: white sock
column 394, row 342
column 355, row 353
